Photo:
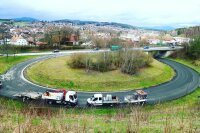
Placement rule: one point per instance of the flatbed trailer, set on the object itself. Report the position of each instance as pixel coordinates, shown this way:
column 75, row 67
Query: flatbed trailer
column 29, row 96
column 139, row 97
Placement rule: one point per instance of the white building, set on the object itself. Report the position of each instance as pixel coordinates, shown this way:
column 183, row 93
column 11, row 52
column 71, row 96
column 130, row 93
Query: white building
column 18, row 40
column 181, row 40
column 154, row 41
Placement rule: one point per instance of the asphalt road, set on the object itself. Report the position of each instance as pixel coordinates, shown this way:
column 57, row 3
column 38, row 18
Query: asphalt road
column 185, row 81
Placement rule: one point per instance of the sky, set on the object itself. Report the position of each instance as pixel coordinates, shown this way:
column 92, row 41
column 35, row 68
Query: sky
column 145, row 13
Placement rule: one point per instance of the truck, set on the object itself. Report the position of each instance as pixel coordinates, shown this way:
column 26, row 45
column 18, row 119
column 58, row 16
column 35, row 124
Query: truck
column 139, row 97
column 100, row 100
column 51, row 97
column 60, row 97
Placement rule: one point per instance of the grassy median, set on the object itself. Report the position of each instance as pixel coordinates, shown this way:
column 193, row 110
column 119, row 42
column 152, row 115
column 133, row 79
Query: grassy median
column 56, row 73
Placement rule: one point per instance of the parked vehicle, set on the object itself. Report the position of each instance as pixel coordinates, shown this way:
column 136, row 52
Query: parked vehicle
column 1, row 85
column 100, row 100
column 60, row 97
column 51, row 97
column 146, row 47
column 139, row 97
column 96, row 48
column 56, row 50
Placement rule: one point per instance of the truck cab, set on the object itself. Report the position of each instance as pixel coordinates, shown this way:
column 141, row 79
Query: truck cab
column 71, row 96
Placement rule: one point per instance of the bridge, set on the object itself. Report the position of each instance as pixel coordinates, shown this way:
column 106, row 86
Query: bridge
column 150, row 49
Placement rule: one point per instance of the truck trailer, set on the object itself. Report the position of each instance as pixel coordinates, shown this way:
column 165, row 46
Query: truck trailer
column 139, row 97
column 51, row 97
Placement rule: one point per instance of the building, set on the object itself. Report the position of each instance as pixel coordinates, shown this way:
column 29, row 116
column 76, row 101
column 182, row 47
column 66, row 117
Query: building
column 18, row 40
column 72, row 40
column 181, row 40
column 154, row 41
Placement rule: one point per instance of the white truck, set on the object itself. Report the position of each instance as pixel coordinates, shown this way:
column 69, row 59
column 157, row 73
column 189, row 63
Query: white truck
column 100, row 100
column 61, row 97
column 51, row 96
column 139, row 97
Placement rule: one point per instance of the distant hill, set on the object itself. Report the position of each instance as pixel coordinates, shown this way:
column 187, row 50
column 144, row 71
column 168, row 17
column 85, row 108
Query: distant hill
column 25, row 19
column 79, row 22
column 5, row 20
column 160, row 28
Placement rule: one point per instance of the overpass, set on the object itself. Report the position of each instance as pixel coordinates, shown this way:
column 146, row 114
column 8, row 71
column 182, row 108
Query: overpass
column 150, row 49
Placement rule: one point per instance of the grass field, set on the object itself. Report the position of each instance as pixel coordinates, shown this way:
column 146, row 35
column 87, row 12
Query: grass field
column 7, row 63
column 56, row 73
column 178, row 116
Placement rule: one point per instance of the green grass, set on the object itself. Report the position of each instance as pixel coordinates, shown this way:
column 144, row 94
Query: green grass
column 56, row 73
column 187, row 62
column 7, row 63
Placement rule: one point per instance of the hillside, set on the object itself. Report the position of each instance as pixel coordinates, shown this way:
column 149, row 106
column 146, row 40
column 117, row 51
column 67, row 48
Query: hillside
column 25, row 19
column 189, row 32
column 79, row 22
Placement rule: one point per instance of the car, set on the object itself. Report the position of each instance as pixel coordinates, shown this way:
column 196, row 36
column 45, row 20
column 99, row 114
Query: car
column 146, row 47
column 56, row 51
column 96, row 48
column 1, row 84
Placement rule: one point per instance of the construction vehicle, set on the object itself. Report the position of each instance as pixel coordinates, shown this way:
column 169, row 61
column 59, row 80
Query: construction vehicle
column 51, row 97
column 100, row 100
column 139, row 97
column 60, row 97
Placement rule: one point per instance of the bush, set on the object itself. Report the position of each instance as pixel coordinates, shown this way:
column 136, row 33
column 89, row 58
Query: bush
column 196, row 62
column 128, row 61
column 132, row 61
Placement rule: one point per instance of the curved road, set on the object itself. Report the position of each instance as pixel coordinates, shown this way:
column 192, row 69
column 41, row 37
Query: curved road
column 185, row 81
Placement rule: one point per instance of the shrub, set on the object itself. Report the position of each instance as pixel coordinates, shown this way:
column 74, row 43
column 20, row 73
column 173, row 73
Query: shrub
column 132, row 61
column 196, row 62
column 78, row 61
column 128, row 61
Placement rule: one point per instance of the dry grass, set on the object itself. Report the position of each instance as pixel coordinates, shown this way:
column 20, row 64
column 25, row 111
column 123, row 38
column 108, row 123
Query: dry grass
column 50, row 120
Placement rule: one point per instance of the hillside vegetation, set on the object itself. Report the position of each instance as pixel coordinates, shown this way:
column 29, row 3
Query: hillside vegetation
column 189, row 32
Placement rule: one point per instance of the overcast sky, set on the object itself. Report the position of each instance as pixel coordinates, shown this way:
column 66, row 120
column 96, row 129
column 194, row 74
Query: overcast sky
column 134, row 12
